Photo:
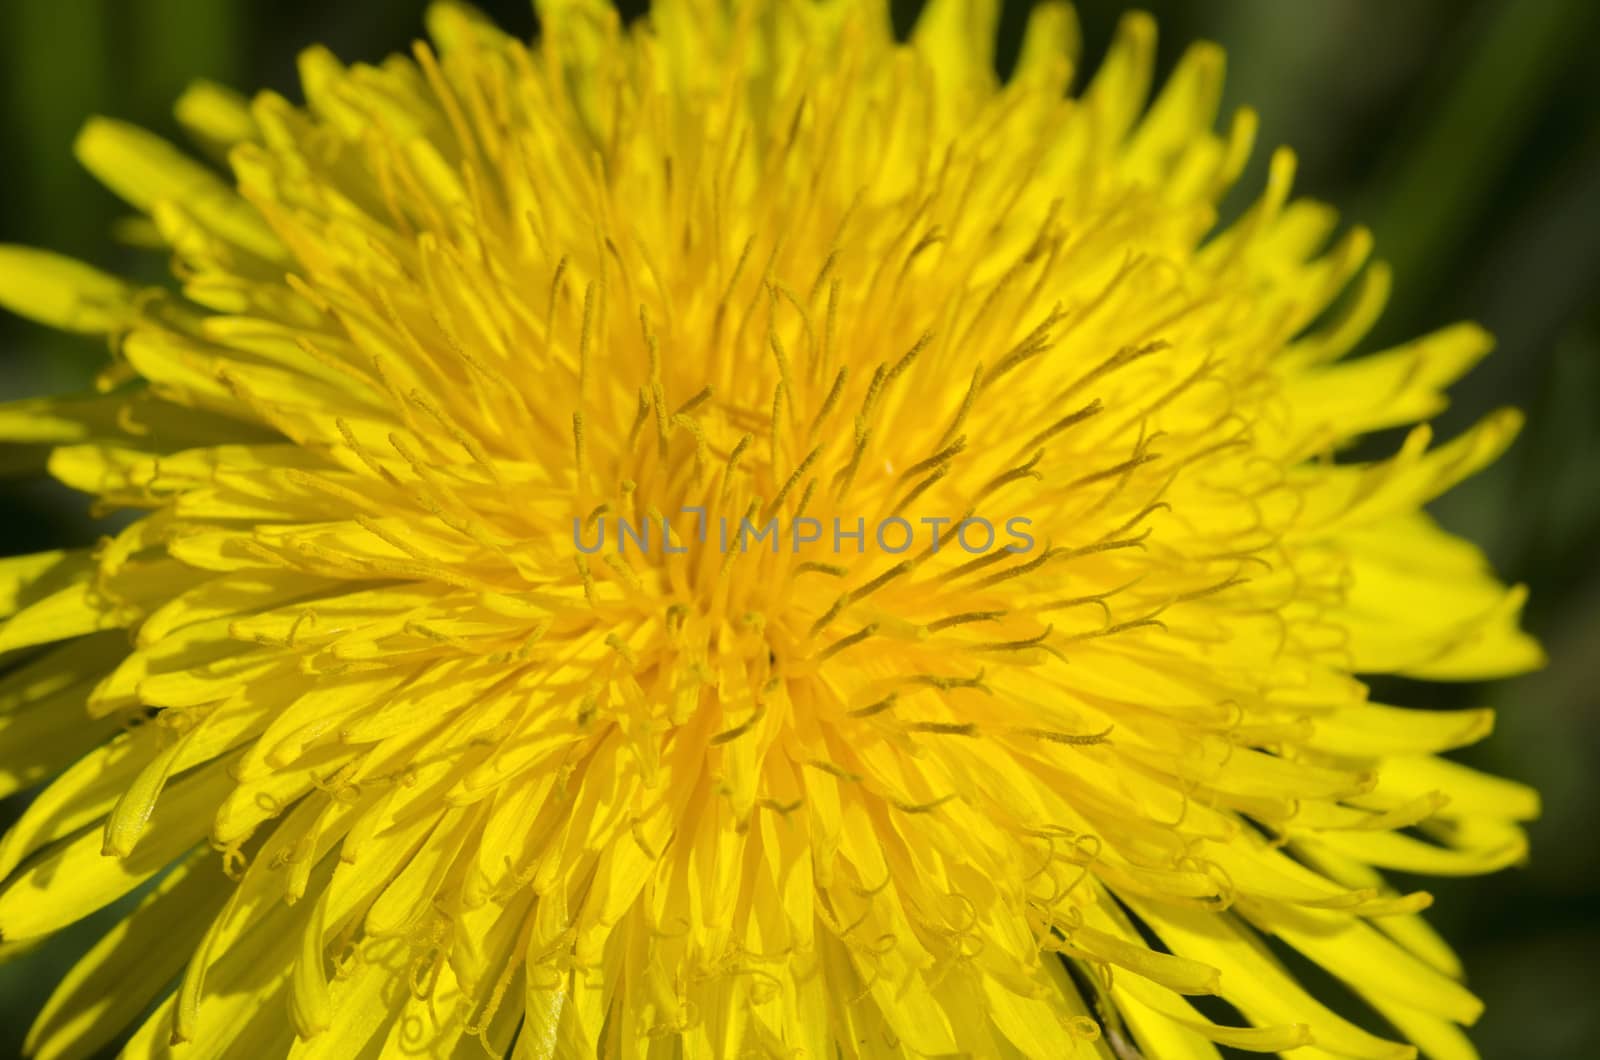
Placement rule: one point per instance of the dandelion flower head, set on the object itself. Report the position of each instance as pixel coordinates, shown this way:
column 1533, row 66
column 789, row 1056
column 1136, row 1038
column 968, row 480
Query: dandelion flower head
column 386, row 766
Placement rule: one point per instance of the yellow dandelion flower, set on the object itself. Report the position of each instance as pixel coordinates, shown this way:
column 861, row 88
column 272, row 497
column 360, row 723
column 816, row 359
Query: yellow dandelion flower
column 536, row 634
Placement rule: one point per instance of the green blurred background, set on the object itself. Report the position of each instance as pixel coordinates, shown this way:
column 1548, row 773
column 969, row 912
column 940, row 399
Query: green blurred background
column 1466, row 134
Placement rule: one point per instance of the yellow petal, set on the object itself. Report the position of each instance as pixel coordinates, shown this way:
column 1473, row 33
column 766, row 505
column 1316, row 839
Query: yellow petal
column 81, row 795
column 62, row 293
column 46, row 735
column 74, row 878
column 118, row 977
column 215, row 115
column 144, row 169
